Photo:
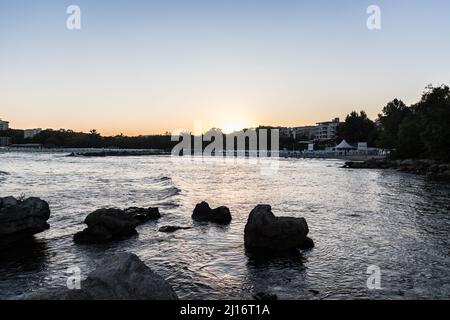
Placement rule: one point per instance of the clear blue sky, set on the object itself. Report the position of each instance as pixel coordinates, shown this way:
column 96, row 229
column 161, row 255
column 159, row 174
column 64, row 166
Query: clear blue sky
column 151, row 66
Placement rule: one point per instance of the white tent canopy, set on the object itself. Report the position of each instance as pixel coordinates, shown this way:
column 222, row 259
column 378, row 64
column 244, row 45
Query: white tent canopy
column 344, row 145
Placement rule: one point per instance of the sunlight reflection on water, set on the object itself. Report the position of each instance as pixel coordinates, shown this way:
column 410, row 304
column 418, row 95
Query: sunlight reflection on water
column 357, row 218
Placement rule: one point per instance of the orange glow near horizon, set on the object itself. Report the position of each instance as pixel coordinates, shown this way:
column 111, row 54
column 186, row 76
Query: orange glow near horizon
column 227, row 123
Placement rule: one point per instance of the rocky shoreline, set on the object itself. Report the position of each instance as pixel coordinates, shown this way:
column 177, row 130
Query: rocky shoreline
column 124, row 276
column 430, row 168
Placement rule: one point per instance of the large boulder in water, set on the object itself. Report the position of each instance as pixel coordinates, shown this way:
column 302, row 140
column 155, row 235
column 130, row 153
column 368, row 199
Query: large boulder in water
column 22, row 218
column 264, row 232
column 114, row 224
column 203, row 212
column 122, row 276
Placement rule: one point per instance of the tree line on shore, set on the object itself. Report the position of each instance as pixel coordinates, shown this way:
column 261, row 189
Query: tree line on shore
column 421, row 130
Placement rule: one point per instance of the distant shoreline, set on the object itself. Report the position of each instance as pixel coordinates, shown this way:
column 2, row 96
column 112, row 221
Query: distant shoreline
column 113, row 152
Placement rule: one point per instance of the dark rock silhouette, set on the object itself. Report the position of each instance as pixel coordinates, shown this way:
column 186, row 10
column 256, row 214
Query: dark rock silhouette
column 20, row 219
column 265, row 233
column 426, row 167
column 263, row 296
column 122, row 276
column 114, row 224
column 143, row 215
column 203, row 212
column 170, row 229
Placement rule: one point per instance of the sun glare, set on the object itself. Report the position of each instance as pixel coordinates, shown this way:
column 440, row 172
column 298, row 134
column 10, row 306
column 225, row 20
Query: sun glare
column 232, row 127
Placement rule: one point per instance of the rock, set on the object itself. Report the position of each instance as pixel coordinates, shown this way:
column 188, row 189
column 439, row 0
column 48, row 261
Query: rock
column 122, row 276
column 307, row 244
column 355, row 165
column 114, row 224
column 8, row 202
column 144, row 215
column 203, row 212
column 266, row 233
column 262, row 296
column 97, row 234
column 169, row 229
column 21, row 219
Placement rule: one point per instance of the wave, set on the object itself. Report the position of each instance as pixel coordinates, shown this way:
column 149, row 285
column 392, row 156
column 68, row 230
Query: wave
column 170, row 192
column 168, row 205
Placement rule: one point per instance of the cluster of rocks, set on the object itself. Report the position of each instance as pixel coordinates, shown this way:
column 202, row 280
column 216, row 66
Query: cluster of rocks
column 114, row 224
column 21, row 219
column 430, row 168
column 124, row 276
column 121, row 276
column 203, row 212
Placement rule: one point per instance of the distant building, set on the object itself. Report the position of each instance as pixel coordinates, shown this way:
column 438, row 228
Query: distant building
column 5, row 141
column 304, row 133
column 30, row 133
column 327, row 130
column 4, row 125
column 285, row 132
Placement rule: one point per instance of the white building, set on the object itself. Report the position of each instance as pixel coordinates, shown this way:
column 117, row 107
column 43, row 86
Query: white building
column 4, row 125
column 30, row 133
column 327, row 130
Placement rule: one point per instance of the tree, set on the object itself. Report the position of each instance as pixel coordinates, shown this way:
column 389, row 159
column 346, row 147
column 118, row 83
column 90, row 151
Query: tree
column 433, row 112
column 391, row 118
column 409, row 139
column 357, row 128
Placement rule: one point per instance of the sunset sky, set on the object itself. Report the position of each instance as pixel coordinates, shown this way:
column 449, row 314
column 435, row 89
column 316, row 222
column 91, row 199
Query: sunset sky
column 142, row 67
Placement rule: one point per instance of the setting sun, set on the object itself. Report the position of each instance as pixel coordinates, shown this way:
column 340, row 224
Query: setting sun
column 233, row 127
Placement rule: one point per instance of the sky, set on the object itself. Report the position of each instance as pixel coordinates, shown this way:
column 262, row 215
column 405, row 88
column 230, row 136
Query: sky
column 144, row 67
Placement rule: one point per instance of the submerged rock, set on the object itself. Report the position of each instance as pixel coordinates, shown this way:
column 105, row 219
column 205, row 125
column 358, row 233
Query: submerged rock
column 142, row 214
column 21, row 219
column 264, row 232
column 263, row 296
column 114, row 224
column 203, row 212
column 122, row 276
column 169, row 229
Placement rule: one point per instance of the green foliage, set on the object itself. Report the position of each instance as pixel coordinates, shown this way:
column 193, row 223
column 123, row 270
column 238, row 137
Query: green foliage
column 421, row 130
column 357, row 128
column 433, row 113
column 409, row 139
column 391, row 118
column 70, row 139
